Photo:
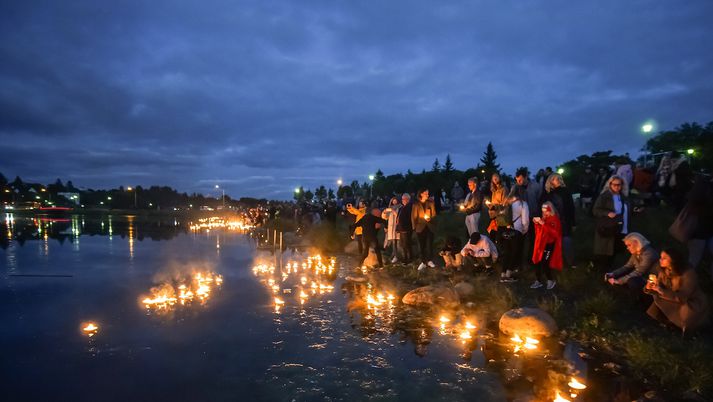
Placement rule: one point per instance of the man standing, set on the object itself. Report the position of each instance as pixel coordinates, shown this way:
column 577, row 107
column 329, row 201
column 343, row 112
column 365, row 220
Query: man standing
column 472, row 206
column 404, row 227
column 370, row 225
column 422, row 215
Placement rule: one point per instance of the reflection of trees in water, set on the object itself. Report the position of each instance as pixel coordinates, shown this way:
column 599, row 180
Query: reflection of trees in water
column 23, row 229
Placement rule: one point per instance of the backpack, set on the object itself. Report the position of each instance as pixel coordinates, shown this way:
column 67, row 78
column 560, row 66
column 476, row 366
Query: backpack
column 503, row 216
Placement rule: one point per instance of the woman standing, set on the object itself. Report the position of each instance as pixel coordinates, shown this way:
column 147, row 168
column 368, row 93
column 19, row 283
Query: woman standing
column 547, row 254
column 497, row 203
column 611, row 210
column 392, row 236
column 678, row 298
column 422, row 216
column 558, row 194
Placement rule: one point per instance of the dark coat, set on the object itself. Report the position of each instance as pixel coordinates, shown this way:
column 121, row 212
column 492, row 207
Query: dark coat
column 681, row 300
column 561, row 198
column 418, row 213
column 403, row 219
column 370, row 225
column 605, row 204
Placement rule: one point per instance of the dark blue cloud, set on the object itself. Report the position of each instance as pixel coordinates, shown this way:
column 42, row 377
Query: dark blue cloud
column 263, row 96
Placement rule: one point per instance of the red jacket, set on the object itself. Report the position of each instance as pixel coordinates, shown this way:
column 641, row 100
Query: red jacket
column 547, row 233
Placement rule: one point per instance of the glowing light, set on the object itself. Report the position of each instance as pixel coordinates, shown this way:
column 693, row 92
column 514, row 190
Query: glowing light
column 647, row 128
column 560, row 398
column 339, row 182
column 465, row 335
column 468, row 325
column 527, row 344
column 690, row 151
column 197, row 288
column 371, row 177
column 90, row 329
column 560, row 171
column 574, row 384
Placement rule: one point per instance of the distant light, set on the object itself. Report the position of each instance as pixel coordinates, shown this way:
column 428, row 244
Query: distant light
column 482, row 170
column 339, row 182
column 43, row 189
column 217, row 186
column 190, row 205
column 297, row 190
column 101, row 202
column 108, row 198
column 560, row 171
column 37, row 196
column 129, row 188
column 150, row 204
column 371, row 177
column 690, row 151
column 647, row 128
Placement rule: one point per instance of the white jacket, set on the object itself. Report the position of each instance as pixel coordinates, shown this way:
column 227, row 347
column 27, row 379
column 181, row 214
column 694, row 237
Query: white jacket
column 483, row 248
column 520, row 216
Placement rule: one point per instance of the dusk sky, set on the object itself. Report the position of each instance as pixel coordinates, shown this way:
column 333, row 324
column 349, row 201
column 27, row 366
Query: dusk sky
column 263, row 96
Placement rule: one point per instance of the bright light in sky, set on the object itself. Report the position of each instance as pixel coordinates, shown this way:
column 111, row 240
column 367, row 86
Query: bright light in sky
column 647, row 128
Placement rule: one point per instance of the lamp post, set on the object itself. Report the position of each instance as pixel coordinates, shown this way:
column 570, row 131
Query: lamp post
column 371, row 186
column 218, row 187
column 134, row 190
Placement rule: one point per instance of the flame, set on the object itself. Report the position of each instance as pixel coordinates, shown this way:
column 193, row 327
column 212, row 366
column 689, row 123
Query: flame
column 560, row 398
column 574, row 384
column 215, row 222
column 520, row 344
column 465, row 335
column 90, row 329
column 196, row 288
column 444, row 319
column 468, row 325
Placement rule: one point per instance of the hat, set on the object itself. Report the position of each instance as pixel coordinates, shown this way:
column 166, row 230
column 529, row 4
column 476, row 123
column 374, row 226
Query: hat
column 474, row 238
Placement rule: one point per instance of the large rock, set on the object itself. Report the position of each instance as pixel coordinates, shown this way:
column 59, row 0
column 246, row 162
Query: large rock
column 464, row 289
column 528, row 321
column 371, row 260
column 432, row 295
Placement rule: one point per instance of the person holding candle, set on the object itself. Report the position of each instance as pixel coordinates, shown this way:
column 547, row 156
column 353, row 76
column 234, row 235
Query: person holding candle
column 496, row 204
column 404, row 227
column 557, row 192
column 472, row 206
column 678, row 298
column 370, row 225
column 422, row 215
column 392, row 235
column 547, row 254
column 358, row 213
column 643, row 260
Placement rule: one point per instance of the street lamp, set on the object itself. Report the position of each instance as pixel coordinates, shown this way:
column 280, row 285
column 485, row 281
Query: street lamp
column 218, row 187
column 647, row 128
column 690, row 151
column 339, row 182
column 297, row 190
column 371, row 187
column 560, row 171
column 135, row 191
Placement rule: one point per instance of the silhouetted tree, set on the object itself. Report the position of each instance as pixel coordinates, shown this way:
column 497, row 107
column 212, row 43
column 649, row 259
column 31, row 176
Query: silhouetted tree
column 448, row 166
column 436, row 167
column 487, row 162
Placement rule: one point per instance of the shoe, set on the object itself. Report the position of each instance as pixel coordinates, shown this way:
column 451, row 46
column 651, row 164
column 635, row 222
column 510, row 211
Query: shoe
column 551, row 284
column 508, row 280
column 394, row 260
column 536, row 285
column 422, row 267
column 431, row 264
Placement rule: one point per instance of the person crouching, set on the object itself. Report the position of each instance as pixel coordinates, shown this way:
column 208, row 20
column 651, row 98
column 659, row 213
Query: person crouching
column 480, row 251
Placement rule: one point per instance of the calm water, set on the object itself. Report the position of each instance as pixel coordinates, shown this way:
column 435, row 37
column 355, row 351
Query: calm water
column 233, row 347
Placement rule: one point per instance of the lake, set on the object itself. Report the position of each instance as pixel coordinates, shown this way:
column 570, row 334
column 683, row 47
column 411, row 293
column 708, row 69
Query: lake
column 230, row 344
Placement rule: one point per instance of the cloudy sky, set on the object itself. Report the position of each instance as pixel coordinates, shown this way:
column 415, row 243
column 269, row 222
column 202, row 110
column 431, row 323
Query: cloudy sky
column 263, row 96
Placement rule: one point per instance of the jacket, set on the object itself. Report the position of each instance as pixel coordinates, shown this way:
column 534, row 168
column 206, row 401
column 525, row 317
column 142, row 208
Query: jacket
column 547, row 233
column 370, row 225
column 561, row 198
column 359, row 214
column 520, row 216
column 473, row 202
column 483, row 248
column 418, row 214
column 638, row 265
column 390, row 213
column 605, row 204
column 403, row 218
column 681, row 299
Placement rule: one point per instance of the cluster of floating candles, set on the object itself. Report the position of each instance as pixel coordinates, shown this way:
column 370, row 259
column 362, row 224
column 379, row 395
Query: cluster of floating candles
column 90, row 329
column 465, row 330
column 220, row 223
column 524, row 344
column 183, row 292
column 308, row 276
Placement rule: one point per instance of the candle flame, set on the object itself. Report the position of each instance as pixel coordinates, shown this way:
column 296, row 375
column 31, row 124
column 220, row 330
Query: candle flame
column 574, row 384
column 560, row 398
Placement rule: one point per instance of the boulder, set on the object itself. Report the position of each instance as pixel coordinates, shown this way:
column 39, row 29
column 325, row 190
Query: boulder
column 464, row 289
column 526, row 321
column 432, row 295
column 371, row 260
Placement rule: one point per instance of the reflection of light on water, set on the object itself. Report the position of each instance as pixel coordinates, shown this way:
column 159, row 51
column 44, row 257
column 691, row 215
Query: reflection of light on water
column 130, row 219
column 182, row 292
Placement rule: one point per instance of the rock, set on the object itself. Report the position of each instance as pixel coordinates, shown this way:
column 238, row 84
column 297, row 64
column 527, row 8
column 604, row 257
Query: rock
column 357, row 279
column 464, row 289
column 371, row 260
column 432, row 295
column 352, row 247
column 527, row 321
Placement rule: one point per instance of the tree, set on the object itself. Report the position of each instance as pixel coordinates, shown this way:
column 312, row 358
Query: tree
column 448, row 166
column 17, row 184
column 330, row 194
column 321, row 193
column 488, row 161
column 298, row 195
column 436, row 167
column 687, row 136
column 3, row 180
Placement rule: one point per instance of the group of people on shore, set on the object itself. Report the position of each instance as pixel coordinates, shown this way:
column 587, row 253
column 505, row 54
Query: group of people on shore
column 532, row 224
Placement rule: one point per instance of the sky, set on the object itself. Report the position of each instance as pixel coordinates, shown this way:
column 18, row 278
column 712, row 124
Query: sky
column 259, row 97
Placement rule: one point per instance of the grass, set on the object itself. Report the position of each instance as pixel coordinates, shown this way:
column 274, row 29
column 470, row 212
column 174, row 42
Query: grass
column 586, row 308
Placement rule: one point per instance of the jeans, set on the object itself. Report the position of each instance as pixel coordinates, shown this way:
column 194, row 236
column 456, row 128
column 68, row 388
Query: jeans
column 368, row 242
column 471, row 222
column 542, row 269
column 406, row 247
column 425, row 244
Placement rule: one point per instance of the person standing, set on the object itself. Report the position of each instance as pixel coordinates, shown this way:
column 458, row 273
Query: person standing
column 358, row 214
column 472, row 206
column 497, row 203
column 370, row 225
column 513, row 241
column 457, row 193
column 404, row 227
column 559, row 195
column 547, row 255
column 392, row 235
column 422, row 215
column 612, row 212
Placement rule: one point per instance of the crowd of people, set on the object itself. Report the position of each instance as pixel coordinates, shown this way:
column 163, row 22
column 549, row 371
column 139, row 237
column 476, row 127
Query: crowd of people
column 533, row 222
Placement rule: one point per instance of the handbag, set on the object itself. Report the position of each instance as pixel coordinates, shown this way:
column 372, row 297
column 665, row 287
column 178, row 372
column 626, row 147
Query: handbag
column 608, row 227
column 684, row 225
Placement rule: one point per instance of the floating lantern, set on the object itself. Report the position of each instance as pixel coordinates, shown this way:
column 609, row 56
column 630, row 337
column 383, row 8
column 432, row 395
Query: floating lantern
column 90, row 329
